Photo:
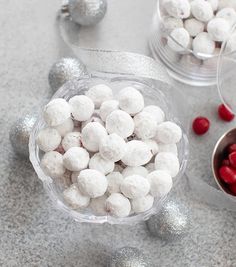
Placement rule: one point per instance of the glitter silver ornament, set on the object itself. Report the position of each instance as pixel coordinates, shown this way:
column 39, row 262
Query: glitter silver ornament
column 129, row 257
column 19, row 134
column 64, row 70
column 171, row 223
column 87, row 12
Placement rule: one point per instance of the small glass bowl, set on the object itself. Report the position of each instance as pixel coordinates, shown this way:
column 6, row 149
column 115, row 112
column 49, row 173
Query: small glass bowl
column 226, row 78
column 154, row 93
column 186, row 66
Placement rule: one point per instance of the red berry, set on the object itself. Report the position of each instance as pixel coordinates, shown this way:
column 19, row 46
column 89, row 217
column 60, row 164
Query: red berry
column 224, row 113
column 225, row 162
column 232, row 159
column 227, row 174
column 201, row 125
column 232, row 148
column 232, row 188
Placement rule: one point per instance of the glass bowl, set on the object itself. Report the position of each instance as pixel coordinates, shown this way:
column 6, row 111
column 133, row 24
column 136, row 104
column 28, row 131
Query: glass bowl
column 226, row 78
column 187, row 66
column 154, row 93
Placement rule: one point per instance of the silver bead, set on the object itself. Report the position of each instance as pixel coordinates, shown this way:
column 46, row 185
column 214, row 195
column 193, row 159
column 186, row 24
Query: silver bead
column 64, row 70
column 19, row 134
column 87, row 12
column 171, row 223
column 129, row 257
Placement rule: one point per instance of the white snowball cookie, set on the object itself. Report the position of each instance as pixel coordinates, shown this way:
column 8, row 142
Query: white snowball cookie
column 107, row 107
column 167, row 162
column 177, row 8
column 145, row 125
column 82, row 107
column 227, row 3
column 160, row 183
column 140, row 170
column 114, row 179
column 153, row 146
column 98, row 205
column 171, row 148
column 92, row 183
column 218, row 29
column 203, row 45
column 118, row 205
column 75, row 198
column 130, row 100
column 171, row 23
column 76, row 159
column 194, row 26
column 135, row 186
column 142, row 204
column 72, row 139
column 99, row 93
column 228, row 14
column 202, row 10
column 121, row 123
column 156, row 112
column 48, row 139
column 66, row 127
column 52, row 164
column 137, row 154
column 214, row 4
column 92, row 134
column 168, row 133
column 56, row 112
column 179, row 40
column 112, row 147
column 97, row 162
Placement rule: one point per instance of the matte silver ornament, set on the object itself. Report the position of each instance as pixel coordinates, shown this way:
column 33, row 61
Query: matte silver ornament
column 87, row 12
column 19, row 134
column 64, row 70
column 129, row 257
column 171, row 223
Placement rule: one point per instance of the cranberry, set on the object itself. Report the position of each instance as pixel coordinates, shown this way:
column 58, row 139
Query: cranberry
column 225, row 162
column 232, row 188
column 227, row 174
column 232, row 148
column 201, row 125
column 224, row 113
column 232, row 159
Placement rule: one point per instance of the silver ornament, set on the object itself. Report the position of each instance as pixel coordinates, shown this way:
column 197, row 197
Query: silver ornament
column 19, row 134
column 172, row 222
column 87, row 12
column 129, row 257
column 64, row 70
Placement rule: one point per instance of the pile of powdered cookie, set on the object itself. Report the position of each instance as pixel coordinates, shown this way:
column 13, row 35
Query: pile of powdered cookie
column 111, row 154
column 198, row 25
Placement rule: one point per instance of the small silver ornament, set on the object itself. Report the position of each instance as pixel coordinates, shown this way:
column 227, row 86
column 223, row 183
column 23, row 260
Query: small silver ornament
column 19, row 134
column 129, row 257
column 171, row 223
column 64, row 70
column 87, row 12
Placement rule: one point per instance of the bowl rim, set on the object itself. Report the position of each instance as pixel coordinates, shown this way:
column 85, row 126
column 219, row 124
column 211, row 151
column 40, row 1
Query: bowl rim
column 214, row 171
column 48, row 181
